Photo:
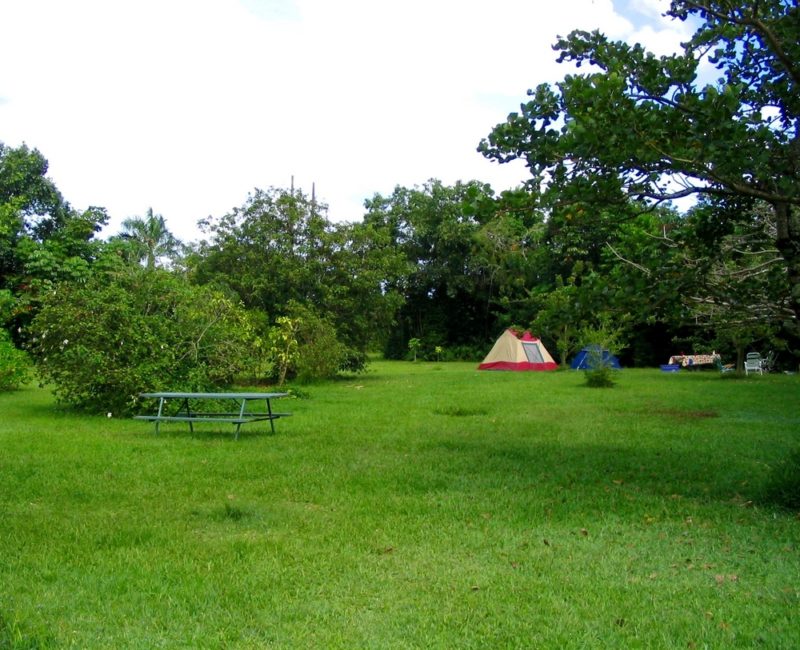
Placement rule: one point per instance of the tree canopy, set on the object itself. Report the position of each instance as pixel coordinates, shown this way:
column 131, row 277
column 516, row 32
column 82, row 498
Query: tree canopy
column 42, row 238
column 652, row 129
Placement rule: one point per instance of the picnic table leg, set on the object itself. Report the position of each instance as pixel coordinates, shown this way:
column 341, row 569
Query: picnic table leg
column 239, row 424
column 160, row 409
column 188, row 414
column 271, row 419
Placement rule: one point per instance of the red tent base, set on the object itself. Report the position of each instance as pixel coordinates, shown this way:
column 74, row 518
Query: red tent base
column 509, row 365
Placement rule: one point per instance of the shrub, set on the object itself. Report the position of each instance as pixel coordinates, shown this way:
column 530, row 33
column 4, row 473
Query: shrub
column 600, row 376
column 464, row 353
column 783, row 486
column 102, row 342
column 305, row 346
column 321, row 354
column 597, row 339
column 353, row 361
column 282, row 347
column 14, row 364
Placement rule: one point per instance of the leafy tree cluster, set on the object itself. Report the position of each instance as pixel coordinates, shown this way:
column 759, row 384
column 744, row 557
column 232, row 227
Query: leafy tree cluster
column 102, row 342
column 640, row 128
column 43, row 240
column 283, row 258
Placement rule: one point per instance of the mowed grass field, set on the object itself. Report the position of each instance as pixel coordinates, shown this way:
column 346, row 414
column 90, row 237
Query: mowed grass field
column 416, row 506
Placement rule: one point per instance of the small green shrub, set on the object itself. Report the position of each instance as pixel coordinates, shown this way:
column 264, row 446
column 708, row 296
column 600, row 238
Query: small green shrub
column 305, row 346
column 321, row 354
column 282, row 347
column 598, row 339
column 783, row 486
column 463, row 353
column 601, row 376
column 353, row 361
column 14, row 364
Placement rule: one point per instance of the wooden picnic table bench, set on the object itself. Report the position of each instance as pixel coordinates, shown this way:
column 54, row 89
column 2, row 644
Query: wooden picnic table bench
column 185, row 411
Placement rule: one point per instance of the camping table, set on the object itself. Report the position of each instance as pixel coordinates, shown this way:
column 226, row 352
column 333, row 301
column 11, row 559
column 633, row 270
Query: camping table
column 690, row 360
column 186, row 413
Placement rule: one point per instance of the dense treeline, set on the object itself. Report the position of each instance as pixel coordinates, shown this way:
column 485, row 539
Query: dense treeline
column 591, row 244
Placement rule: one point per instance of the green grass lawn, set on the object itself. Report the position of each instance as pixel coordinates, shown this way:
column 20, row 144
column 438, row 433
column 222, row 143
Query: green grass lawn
column 417, row 506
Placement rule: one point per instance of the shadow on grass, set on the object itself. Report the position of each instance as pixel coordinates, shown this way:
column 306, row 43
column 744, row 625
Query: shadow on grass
column 599, row 475
column 209, row 433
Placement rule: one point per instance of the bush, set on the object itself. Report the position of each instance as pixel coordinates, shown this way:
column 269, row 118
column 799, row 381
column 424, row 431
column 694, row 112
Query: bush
column 604, row 336
column 783, row 486
column 354, row 361
column 14, row 364
column 305, row 346
column 320, row 353
column 600, row 376
column 465, row 352
column 103, row 342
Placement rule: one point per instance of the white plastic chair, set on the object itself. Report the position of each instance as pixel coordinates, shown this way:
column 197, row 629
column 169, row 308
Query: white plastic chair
column 753, row 363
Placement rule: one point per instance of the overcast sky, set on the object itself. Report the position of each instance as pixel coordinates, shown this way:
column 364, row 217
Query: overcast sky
column 185, row 106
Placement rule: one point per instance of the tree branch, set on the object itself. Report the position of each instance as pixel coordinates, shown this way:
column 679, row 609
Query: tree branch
column 647, row 272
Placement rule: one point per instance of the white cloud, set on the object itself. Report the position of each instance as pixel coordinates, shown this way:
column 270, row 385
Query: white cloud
column 186, row 105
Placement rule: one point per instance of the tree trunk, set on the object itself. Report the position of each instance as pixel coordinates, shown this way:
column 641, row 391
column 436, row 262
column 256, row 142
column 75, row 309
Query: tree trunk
column 787, row 219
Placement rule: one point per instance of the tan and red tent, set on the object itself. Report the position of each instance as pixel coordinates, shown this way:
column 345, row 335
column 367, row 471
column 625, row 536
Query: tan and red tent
column 518, row 352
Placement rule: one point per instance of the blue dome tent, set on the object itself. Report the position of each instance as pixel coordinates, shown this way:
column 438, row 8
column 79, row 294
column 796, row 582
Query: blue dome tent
column 590, row 354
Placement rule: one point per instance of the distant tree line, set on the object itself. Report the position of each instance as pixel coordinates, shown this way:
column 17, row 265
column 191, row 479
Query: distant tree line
column 275, row 290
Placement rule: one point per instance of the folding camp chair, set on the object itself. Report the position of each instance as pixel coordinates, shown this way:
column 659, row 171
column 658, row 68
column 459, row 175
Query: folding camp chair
column 723, row 367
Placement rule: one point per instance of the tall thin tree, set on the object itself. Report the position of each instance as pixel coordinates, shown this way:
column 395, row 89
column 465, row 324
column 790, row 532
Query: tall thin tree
column 150, row 238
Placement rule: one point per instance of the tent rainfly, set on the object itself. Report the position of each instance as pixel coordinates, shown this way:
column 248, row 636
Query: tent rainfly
column 514, row 352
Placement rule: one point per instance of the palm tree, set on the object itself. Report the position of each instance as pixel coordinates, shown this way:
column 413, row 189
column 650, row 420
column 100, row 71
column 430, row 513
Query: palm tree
column 149, row 237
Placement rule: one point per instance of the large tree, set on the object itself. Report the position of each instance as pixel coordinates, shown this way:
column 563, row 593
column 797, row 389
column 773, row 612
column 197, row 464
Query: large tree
column 648, row 128
column 279, row 250
column 450, row 271
column 42, row 239
column 271, row 250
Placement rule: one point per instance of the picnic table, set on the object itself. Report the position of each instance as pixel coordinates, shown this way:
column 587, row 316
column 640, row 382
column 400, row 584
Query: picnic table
column 192, row 407
column 691, row 360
